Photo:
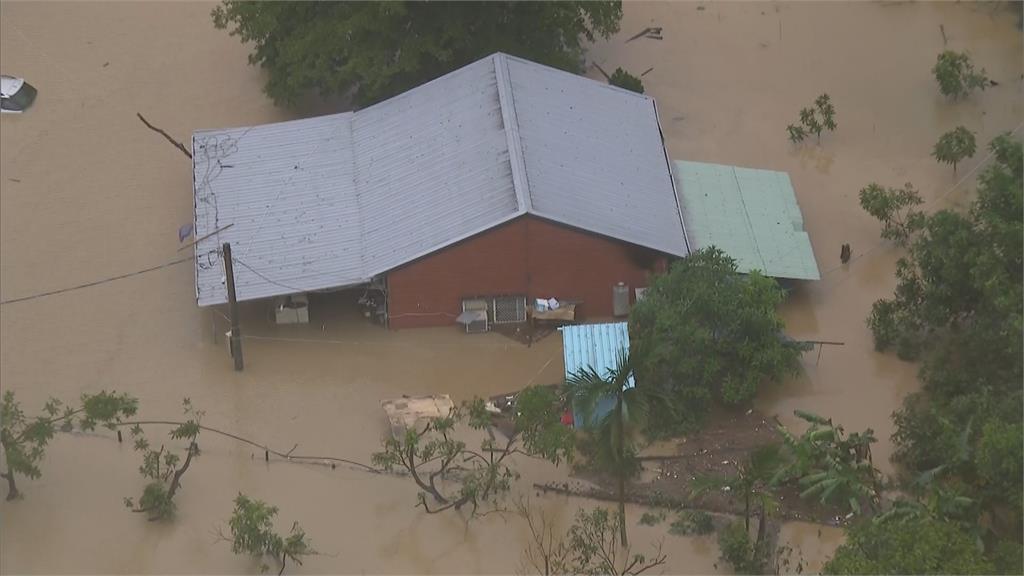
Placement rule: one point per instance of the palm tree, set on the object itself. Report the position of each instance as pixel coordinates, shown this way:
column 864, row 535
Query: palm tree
column 616, row 430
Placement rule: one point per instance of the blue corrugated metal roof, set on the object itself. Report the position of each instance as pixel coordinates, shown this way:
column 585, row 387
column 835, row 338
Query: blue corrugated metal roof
column 594, row 345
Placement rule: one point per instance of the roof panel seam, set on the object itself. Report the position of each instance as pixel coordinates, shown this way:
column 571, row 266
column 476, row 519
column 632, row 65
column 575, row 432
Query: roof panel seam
column 506, row 99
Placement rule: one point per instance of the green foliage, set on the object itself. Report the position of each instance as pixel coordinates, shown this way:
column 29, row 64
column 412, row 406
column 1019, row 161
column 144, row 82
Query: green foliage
column 1000, row 466
column 624, row 79
column 893, row 207
column 829, row 465
column 374, row 50
column 24, row 439
column 1008, row 558
column 814, row 120
column 910, row 545
column 956, row 75
column 455, row 475
column 958, row 306
column 614, row 434
column 596, row 551
column 651, row 519
column 743, row 554
column 954, row 146
column 161, row 468
column 252, row 533
column 538, row 416
column 692, row 522
column 705, row 333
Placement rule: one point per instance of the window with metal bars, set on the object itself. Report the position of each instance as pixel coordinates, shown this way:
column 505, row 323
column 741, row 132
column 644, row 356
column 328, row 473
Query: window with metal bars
column 508, row 309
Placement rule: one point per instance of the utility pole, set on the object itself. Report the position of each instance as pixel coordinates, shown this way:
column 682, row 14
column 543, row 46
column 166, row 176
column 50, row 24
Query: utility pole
column 236, row 330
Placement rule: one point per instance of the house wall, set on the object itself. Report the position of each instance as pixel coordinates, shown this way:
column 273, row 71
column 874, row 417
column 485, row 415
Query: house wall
column 528, row 256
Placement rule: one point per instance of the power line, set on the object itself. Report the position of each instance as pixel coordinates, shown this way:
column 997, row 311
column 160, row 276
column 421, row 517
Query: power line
column 261, row 275
column 98, row 282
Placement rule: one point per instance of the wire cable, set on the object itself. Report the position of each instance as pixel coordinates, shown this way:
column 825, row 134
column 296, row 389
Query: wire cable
column 98, row 282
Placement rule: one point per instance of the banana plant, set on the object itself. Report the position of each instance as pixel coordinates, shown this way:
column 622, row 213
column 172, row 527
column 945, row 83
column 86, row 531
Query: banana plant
column 829, row 465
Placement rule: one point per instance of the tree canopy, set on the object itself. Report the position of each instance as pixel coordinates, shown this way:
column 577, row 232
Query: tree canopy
column 705, row 333
column 915, row 545
column 958, row 306
column 374, row 50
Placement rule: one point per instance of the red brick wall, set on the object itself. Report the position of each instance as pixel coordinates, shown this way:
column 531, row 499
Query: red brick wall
column 527, row 256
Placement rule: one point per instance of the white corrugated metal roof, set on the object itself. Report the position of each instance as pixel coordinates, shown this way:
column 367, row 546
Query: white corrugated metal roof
column 333, row 201
column 594, row 157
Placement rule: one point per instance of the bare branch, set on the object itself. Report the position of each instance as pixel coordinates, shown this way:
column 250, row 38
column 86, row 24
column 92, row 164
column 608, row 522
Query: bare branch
column 174, row 142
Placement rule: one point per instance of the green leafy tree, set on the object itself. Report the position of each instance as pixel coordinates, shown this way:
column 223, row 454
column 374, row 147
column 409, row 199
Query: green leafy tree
column 746, row 556
column 590, row 546
column 755, row 481
column 692, row 522
column 705, row 333
column 616, row 431
column 624, row 79
column 161, row 467
column 252, row 533
column 814, row 120
column 374, row 50
column 958, row 306
column 454, row 475
column 894, row 208
column 24, row 438
column 956, row 75
column 910, row 545
column 954, row 146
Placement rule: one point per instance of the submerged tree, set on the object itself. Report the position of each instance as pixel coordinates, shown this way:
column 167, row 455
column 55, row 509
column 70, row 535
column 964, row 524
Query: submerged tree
column 956, row 75
column 454, row 475
column 614, row 433
column 24, row 439
column 161, row 467
column 624, row 79
column 375, row 50
column 252, row 533
column 959, row 307
column 954, row 146
column 589, row 547
column 705, row 333
column 814, row 120
column 894, row 208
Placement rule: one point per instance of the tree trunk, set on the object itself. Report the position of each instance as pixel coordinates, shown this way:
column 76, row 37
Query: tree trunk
column 12, row 488
column 622, row 511
column 762, row 526
column 746, row 511
column 622, row 472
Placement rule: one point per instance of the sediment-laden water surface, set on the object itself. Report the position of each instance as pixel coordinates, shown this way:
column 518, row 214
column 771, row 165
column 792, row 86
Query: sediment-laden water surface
column 86, row 192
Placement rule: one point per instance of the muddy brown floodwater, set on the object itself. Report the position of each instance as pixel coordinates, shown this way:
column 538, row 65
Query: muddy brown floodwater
column 86, row 192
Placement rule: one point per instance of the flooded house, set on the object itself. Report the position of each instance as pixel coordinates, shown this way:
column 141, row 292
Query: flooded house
column 497, row 184
column 498, row 191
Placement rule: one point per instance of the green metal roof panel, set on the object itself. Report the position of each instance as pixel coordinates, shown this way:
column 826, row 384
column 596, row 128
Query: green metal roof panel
column 750, row 214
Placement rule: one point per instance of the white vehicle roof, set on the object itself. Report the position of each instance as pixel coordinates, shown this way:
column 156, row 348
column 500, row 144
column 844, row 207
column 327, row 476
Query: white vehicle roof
column 9, row 85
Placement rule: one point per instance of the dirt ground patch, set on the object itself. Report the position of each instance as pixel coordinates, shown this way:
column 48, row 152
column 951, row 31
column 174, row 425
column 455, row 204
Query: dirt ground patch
column 670, row 467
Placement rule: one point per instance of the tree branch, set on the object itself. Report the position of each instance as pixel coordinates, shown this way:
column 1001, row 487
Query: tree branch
column 174, row 142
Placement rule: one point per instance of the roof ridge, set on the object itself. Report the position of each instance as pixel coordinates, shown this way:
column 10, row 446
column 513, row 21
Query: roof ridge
column 510, row 123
